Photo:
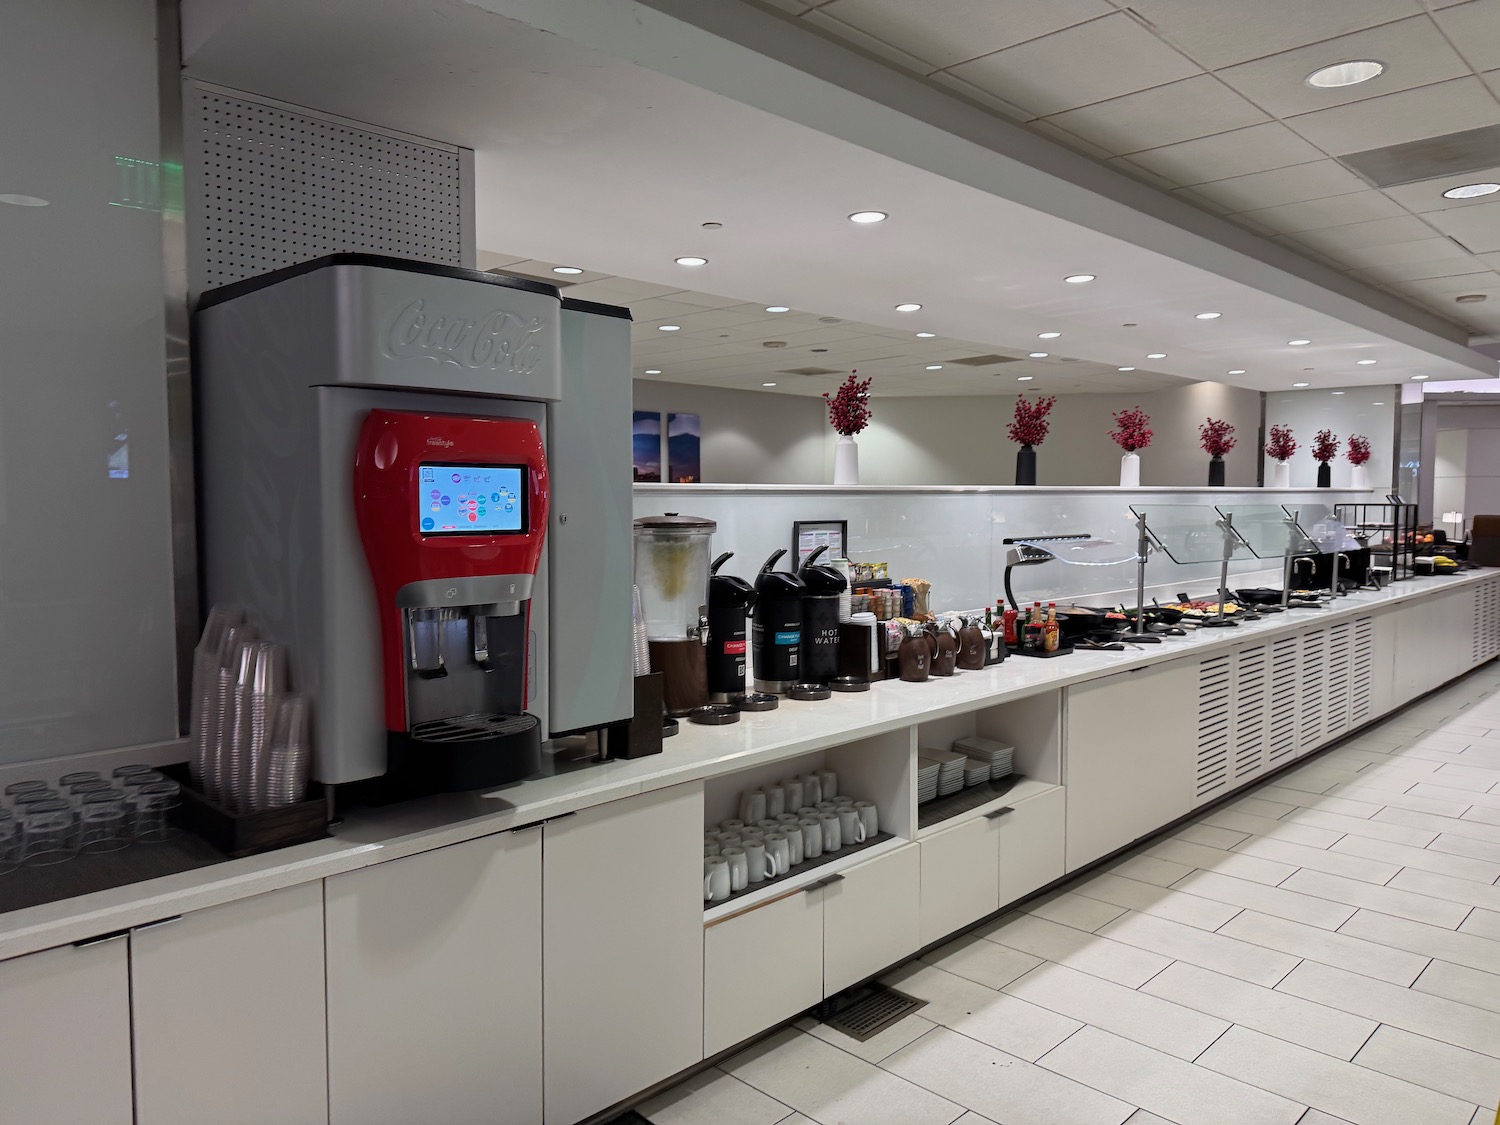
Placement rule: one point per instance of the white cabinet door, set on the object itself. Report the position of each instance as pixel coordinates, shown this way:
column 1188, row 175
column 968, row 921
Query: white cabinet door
column 761, row 967
column 228, row 1014
column 870, row 917
column 65, row 1036
column 1129, row 761
column 1031, row 845
column 960, row 875
column 435, row 986
column 622, row 926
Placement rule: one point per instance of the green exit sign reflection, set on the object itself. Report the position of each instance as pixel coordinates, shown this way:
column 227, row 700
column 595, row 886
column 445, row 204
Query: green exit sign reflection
column 147, row 185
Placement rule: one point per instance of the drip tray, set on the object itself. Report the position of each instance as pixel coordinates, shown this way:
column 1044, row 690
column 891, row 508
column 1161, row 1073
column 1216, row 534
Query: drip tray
column 470, row 728
column 864, row 1012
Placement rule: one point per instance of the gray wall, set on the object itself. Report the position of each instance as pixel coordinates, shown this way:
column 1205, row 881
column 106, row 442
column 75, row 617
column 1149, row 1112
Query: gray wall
column 766, row 438
column 85, row 557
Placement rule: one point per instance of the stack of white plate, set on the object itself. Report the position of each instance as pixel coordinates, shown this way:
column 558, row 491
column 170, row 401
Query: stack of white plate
column 976, row 772
column 999, row 755
column 950, row 771
column 927, row 779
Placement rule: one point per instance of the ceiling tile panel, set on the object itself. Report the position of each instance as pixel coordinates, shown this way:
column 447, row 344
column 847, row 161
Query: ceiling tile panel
column 1069, row 140
column 1428, row 194
column 945, row 32
column 1398, row 272
column 1136, row 172
column 1164, row 115
column 888, row 52
column 1380, row 232
column 1294, row 184
column 619, row 291
column 1089, row 63
column 1478, row 228
column 1412, row 115
column 1422, row 250
column 1217, row 33
column 1334, row 211
column 1256, row 148
column 1442, row 290
column 974, row 94
column 1475, row 29
column 1414, row 51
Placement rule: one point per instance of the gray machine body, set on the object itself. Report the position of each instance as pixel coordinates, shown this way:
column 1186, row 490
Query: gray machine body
column 286, row 369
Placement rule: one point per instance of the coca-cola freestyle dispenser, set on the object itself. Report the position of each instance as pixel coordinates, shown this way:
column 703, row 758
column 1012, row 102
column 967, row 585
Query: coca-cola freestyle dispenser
column 411, row 475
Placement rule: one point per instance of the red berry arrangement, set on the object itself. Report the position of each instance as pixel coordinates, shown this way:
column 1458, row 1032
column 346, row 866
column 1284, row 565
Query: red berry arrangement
column 1135, row 429
column 1282, row 445
column 1325, row 446
column 849, row 407
column 1030, row 425
column 1216, row 436
column 1359, row 449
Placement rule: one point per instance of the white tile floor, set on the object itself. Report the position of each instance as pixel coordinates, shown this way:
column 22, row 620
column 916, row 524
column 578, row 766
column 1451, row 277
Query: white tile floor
column 1325, row 950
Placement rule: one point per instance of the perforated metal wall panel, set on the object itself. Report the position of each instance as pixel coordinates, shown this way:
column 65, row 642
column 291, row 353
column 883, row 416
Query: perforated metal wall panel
column 269, row 187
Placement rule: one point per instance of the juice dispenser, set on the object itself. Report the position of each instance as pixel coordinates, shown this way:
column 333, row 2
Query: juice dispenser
column 671, row 570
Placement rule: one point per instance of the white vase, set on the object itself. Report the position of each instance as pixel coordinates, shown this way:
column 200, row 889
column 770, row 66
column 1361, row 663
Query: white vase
column 1282, row 478
column 1130, row 470
column 1358, row 478
column 845, row 460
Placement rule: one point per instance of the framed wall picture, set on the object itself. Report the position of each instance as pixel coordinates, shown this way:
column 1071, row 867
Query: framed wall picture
column 645, row 440
column 809, row 535
column 683, row 447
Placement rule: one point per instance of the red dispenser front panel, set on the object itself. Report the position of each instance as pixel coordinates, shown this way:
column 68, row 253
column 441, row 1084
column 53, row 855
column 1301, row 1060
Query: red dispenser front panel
column 442, row 497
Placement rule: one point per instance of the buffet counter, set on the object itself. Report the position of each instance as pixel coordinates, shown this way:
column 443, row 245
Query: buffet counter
column 374, row 935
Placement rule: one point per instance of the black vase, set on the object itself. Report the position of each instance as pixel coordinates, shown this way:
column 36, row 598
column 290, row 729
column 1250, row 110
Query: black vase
column 1216, row 472
column 1325, row 475
column 1026, row 465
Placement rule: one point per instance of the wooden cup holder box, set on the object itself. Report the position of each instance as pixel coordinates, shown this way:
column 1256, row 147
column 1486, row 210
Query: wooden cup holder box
column 240, row 834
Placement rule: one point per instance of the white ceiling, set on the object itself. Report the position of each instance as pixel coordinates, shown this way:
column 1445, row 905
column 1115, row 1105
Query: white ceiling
column 722, row 343
column 1205, row 99
column 584, row 158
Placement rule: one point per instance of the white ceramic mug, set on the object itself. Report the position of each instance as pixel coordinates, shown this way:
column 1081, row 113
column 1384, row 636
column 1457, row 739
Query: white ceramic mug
column 731, row 826
column 775, row 801
column 715, row 879
column 805, row 811
column 833, row 838
column 768, row 825
column 739, row 868
column 710, row 849
column 840, row 802
column 787, row 818
column 778, row 853
column 830, row 783
column 729, row 840
column 812, row 837
column 794, row 843
column 794, row 798
column 851, row 827
column 869, row 816
column 812, row 789
column 761, row 865
column 753, row 805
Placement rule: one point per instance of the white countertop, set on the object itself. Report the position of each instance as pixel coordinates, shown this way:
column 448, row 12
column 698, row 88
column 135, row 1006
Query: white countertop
column 374, row 836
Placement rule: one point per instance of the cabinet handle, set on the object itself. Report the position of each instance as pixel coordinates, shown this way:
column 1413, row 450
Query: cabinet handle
column 159, row 922
column 533, row 824
column 113, row 935
column 828, row 882
column 998, row 813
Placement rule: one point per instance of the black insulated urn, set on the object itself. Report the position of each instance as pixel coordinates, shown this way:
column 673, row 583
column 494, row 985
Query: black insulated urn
column 729, row 602
column 820, row 618
column 776, row 632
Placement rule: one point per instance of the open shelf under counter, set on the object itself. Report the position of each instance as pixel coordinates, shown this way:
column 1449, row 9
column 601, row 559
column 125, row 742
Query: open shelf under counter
column 806, row 875
column 980, row 800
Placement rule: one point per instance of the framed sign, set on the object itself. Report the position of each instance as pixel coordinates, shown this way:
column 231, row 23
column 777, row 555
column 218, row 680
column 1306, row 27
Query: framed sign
column 809, row 535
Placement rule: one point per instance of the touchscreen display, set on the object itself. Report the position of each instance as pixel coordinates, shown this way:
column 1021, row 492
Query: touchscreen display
column 471, row 499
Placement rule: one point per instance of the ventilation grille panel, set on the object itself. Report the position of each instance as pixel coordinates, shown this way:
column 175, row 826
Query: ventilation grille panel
column 1215, row 695
column 1312, row 689
column 1336, row 697
column 1283, row 707
column 271, row 187
column 1470, row 150
column 1362, row 672
column 1251, row 676
column 984, row 360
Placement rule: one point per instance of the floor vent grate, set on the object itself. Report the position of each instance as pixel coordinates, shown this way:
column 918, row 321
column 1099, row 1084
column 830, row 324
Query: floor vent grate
column 864, row 1012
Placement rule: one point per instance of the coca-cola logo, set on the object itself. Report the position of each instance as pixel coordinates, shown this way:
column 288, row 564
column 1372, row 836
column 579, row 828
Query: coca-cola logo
column 495, row 341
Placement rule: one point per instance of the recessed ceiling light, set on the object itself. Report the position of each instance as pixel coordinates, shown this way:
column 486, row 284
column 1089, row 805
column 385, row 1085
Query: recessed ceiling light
column 908, row 306
column 1048, row 335
column 566, row 269
column 1237, row 371
column 1377, row 404
column 669, row 328
column 1297, row 343
column 1335, row 392
column 868, row 217
column 1207, row 316
column 1037, row 355
column 1156, row 355
column 1471, row 191
column 777, row 308
column 653, row 371
column 23, row 200
column 690, row 260
column 925, row 335
column 1419, row 378
column 1300, row 384
column 1078, row 278
column 1124, row 368
column 1350, row 73
column 1366, row 362
column 768, row 384
column 934, row 367
column 1025, row 378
